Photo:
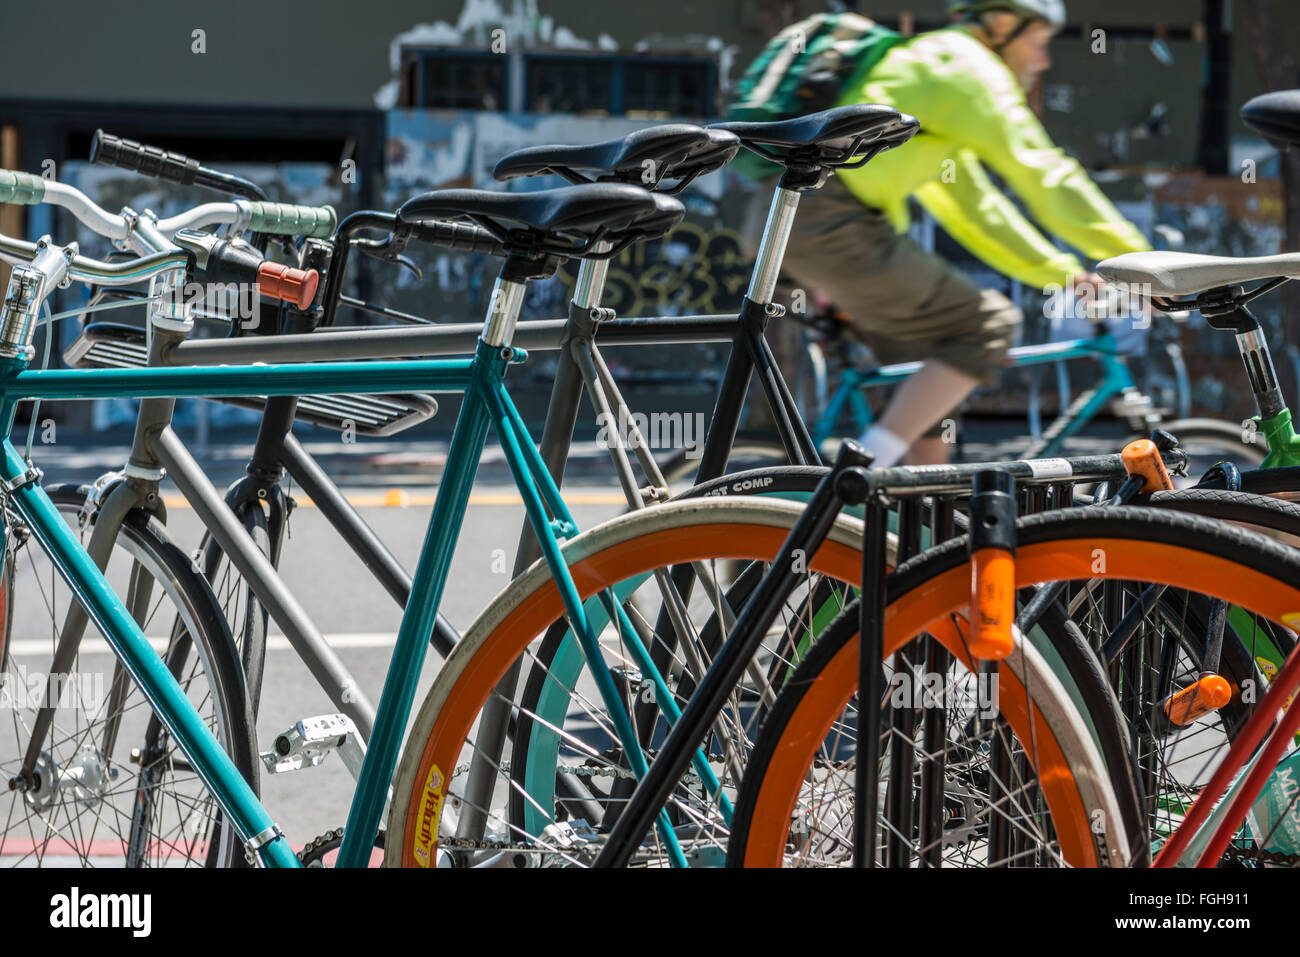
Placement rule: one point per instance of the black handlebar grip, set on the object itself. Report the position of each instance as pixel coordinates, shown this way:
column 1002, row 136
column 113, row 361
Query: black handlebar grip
column 109, row 150
column 466, row 236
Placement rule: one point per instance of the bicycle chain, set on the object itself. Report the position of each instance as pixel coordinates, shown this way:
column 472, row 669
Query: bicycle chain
column 582, row 771
column 465, row 844
column 1263, row 857
column 313, row 853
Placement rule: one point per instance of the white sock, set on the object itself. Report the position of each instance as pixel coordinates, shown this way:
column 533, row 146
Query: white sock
column 888, row 448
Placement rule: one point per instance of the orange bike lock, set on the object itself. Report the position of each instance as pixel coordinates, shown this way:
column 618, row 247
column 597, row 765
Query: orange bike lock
column 993, row 564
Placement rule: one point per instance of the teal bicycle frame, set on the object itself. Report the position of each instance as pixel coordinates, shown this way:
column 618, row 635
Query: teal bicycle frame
column 1115, row 379
column 487, row 404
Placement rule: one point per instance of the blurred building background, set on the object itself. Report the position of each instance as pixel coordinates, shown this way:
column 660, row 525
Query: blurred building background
column 364, row 105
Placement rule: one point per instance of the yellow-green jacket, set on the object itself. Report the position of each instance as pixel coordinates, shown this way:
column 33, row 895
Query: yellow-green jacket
column 973, row 115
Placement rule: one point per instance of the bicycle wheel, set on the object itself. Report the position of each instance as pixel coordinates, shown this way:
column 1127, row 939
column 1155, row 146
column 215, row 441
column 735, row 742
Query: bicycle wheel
column 1252, row 649
column 1165, row 655
column 559, row 654
column 749, row 450
column 244, row 613
column 1063, row 646
column 108, row 784
column 798, row 767
column 430, row 784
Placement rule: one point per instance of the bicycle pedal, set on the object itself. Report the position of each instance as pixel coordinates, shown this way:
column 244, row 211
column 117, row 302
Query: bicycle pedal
column 1208, row 693
column 568, row 835
column 311, row 740
column 1132, row 406
column 708, row 856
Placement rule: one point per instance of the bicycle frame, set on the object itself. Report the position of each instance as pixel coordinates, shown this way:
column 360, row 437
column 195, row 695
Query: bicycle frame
column 277, row 448
column 487, row 404
column 159, row 448
column 1206, row 830
column 847, row 483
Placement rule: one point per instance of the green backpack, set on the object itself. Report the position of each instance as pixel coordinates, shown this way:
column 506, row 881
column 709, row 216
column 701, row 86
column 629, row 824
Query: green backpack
column 804, row 69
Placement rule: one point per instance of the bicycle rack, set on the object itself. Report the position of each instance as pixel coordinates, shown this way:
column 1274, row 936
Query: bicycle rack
column 110, row 345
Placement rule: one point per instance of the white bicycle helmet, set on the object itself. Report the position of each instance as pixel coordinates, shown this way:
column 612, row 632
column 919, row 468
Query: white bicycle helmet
column 1053, row 11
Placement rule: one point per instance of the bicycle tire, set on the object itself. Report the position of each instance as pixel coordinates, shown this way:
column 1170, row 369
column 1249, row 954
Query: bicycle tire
column 1218, row 437
column 1088, row 680
column 1190, row 552
column 196, row 621
column 749, row 450
column 788, row 481
column 244, row 612
column 611, row 553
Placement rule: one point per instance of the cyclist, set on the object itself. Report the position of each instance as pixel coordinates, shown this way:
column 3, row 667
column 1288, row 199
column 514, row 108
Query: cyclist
column 965, row 83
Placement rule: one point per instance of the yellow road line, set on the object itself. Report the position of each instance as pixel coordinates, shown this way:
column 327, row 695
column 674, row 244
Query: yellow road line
column 400, row 498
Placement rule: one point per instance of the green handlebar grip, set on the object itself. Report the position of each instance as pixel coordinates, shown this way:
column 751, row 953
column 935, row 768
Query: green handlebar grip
column 287, row 219
column 22, row 189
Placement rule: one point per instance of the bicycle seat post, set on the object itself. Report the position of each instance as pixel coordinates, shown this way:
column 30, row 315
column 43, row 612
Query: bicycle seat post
column 590, row 284
column 503, row 307
column 1225, row 309
column 771, row 250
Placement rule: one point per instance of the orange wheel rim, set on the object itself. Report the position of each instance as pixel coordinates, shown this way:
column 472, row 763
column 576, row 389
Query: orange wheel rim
column 617, row 563
column 928, row 607
column 922, row 609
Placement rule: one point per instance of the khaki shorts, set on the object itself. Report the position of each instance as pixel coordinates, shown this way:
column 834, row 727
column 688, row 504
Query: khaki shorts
column 905, row 303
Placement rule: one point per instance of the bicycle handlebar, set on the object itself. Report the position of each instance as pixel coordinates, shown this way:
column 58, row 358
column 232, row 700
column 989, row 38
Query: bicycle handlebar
column 21, row 189
column 109, row 150
column 283, row 218
column 465, row 236
column 19, row 252
column 317, row 222
column 452, row 235
column 218, row 259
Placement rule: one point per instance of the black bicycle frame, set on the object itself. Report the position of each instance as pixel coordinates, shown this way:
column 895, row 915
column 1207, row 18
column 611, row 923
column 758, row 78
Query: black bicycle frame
column 849, row 482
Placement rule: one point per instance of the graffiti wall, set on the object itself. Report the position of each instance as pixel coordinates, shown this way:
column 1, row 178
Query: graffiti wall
column 701, row 267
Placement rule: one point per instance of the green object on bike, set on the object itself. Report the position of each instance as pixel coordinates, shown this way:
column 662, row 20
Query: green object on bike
column 1275, row 817
column 1279, row 435
column 803, row 69
column 21, row 189
column 291, row 220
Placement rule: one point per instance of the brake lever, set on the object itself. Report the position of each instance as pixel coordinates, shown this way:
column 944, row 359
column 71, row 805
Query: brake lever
column 389, row 250
column 286, row 246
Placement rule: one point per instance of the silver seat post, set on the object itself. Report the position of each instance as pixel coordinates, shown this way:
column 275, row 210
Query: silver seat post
column 590, row 285
column 503, row 312
column 771, row 251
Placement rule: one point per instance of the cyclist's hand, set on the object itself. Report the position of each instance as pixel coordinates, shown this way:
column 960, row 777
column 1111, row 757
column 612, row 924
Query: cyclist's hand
column 1102, row 303
column 1088, row 285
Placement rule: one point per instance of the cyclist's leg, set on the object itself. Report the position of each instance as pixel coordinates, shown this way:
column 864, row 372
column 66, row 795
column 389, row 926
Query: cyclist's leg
column 917, row 406
column 909, row 303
